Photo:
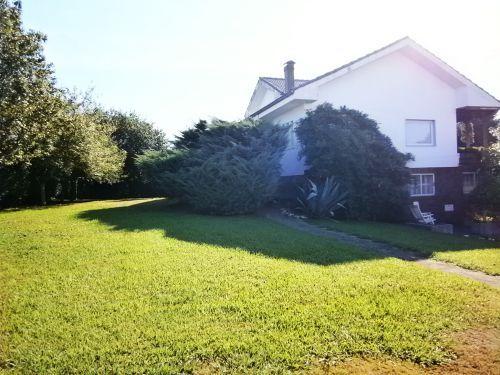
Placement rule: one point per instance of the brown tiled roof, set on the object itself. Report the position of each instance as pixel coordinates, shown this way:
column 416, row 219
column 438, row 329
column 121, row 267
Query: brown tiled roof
column 279, row 83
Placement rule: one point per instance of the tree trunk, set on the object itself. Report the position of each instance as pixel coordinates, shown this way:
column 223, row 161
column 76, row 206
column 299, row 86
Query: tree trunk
column 75, row 189
column 43, row 196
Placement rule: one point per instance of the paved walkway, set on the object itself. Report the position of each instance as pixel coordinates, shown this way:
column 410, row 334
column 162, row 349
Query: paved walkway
column 382, row 248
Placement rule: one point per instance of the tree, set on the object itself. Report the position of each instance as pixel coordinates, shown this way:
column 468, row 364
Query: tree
column 348, row 145
column 190, row 138
column 86, row 147
column 485, row 198
column 27, row 102
column 45, row 135
column 134, row 136
column 82, row 148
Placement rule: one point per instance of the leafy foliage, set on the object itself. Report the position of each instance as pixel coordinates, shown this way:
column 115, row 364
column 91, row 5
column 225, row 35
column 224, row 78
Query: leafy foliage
column 231, row 168
column 158, row 169
column 27, row 92
column 134, row 136
column 235, row 169
column 189, row 138
column 46, row 134
column 486, row 196
column 14, row 185
column 85, row 147
column 321, row 200
column 347, row 144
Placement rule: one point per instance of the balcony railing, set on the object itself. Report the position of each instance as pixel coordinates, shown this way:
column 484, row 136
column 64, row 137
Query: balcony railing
column 470, row 156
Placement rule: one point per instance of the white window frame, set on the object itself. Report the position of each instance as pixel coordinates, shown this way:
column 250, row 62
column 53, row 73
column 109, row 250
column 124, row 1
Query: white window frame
column 420, row 179
column 433, row 133
column 474, row 174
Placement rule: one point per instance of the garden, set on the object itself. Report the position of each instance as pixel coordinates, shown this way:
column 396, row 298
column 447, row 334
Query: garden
column 169, row 263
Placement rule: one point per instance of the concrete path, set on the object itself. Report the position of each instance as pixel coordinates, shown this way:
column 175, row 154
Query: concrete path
column 382, row 248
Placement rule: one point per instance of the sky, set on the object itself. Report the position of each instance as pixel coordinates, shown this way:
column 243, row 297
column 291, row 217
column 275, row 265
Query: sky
column 174, row 62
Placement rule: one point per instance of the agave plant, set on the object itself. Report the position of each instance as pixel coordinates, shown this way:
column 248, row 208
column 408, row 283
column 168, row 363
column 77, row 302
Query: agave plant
column 321, row 200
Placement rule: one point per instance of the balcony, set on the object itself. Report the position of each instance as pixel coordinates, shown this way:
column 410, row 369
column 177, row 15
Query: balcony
column 470, row 157
column 473, row 135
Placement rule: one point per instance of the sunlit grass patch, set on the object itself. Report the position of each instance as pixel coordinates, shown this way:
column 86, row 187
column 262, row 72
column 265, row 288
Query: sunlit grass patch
column 468, row 252
column 136, row 286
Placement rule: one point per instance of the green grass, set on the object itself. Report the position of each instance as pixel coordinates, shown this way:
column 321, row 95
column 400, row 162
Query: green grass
column 467, row 252
column 135, row 286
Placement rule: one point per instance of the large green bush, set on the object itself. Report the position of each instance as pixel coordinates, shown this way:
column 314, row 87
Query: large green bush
column 234, row 168
column 347, row 144
column 158, row 170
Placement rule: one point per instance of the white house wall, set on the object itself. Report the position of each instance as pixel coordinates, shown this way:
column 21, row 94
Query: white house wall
column 291, row 164
column 390, row 90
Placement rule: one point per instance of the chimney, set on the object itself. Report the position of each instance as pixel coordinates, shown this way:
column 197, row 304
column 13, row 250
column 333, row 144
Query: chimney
column 289, row 77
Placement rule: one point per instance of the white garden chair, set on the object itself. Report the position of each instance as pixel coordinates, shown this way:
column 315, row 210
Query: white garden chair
column 422, row 217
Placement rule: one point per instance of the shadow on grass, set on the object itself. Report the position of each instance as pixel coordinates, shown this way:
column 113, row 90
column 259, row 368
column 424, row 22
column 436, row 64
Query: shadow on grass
column 250, row 233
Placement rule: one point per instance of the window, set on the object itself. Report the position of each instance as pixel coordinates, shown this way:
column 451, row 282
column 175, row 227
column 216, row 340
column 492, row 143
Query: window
column 420, row 133
column 422, row 184
column 469, row 182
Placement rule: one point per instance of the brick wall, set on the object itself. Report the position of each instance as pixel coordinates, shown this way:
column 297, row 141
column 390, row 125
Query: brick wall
column 448, row 190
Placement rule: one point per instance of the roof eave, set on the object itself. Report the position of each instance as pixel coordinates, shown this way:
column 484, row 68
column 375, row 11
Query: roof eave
column 270, row 105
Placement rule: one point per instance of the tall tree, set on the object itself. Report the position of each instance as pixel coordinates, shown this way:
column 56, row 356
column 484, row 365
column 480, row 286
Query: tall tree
column 134, row 136
column 27, row 90
column 44, row 133
column 86, row 148
column 28, row 97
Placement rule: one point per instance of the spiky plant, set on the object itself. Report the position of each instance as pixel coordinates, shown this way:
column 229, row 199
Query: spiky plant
column 323, row 199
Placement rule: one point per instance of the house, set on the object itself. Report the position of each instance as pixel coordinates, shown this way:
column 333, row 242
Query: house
column 417, row 100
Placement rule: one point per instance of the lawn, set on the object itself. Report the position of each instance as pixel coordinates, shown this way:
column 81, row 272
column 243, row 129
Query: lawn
column 467, row 252
column 137, row 286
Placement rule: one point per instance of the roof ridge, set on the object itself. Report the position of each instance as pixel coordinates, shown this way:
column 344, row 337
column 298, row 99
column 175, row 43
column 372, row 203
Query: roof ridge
column 356, row 60
column 285, row 95
column 281, row 78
